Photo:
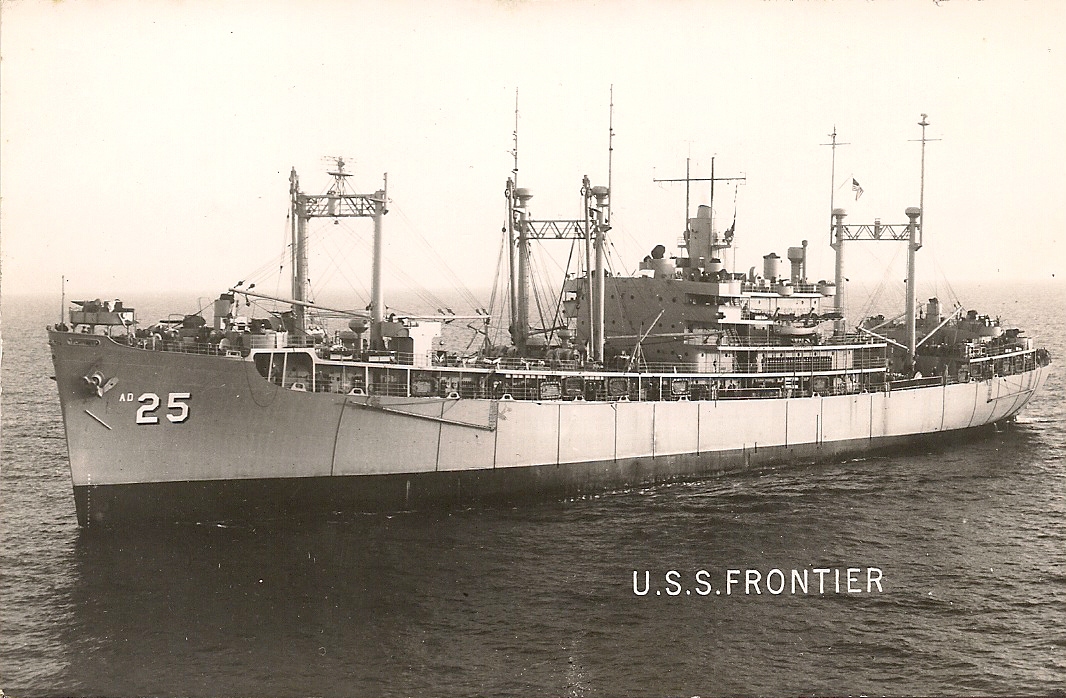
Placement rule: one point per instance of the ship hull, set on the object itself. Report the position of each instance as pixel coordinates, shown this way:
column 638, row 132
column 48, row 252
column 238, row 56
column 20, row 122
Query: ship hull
column 227, row 444
column 256, row 499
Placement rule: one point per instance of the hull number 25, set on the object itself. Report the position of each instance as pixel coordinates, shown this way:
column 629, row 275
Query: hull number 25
column 178, row 408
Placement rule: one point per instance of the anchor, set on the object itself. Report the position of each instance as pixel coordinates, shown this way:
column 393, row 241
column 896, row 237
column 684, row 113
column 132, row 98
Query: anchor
column 97, row 384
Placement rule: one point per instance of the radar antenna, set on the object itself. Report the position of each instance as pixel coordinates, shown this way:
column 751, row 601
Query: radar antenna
column 688, row 179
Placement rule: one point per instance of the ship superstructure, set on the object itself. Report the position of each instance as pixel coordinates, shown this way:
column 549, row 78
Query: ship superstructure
column 686, row 369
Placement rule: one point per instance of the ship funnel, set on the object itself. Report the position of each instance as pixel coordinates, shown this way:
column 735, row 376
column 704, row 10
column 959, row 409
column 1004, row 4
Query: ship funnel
column 932, row 311
column 798, row 257
column 223, row 311
column 770, row 266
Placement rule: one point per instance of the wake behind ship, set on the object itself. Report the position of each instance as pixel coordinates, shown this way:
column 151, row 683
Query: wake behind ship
column 685, row 370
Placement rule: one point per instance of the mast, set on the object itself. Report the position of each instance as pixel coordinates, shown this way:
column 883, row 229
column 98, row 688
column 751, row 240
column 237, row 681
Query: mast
column 711, row 202
column 688, row 182
column 837, row 243
column 338, row 202
column 592, row 228
column 299, row 250
column 595, row 235
column 521, row 334
column 377, row 301
column 833, row 179
column 586, row 229
column 586, row 193
column 603, row 217
column 512, row 278
column 836, row 235
column 833, row 175
column 921, row 193
column 512, row 285
column 610, row 154
column 914, row 243
column 601, row 194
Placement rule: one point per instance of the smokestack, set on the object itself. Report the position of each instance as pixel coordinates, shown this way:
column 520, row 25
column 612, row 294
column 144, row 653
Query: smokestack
column 770, row 266
column 223, row 310
column 797, row 255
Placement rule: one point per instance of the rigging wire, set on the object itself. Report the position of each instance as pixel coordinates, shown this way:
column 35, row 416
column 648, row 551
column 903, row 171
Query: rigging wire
column 613, row 252
column 468, row 296
column 496, row 313
column 286, row 247
column 345, row 255
column 625, row 231
column 496, row 285
column 557, row 319
column 549, row 294
column 339, row 267
column 534, row 276
column 944, row 277
column 264, row 270
column 495, row 282
column 875, row 297
column 339, row 258
column 425, row 296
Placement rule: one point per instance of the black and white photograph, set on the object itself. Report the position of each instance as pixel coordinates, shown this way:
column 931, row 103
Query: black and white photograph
column 532, row 348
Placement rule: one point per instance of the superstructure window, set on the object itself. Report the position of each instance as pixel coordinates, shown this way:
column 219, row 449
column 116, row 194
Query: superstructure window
column 262, row 364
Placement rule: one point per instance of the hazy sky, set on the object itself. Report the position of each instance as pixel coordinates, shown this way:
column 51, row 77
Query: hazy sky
column 146, row 146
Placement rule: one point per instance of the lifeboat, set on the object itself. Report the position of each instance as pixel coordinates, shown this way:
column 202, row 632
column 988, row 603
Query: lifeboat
column 787, row 330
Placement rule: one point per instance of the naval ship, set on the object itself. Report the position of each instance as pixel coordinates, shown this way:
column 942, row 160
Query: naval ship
column 686, row 369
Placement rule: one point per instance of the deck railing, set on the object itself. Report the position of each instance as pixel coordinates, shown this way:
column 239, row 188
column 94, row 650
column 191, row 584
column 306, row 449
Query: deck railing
column 1024, row 359
column 433, row 360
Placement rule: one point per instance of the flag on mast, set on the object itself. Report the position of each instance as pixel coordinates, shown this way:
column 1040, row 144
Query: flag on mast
column 856, row 188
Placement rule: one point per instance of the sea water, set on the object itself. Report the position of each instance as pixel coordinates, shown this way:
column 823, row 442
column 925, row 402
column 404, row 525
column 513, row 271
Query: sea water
column 572, row 598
